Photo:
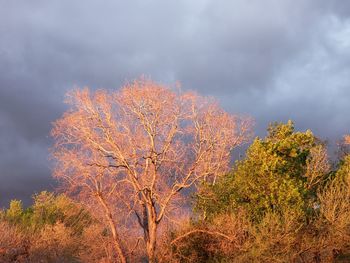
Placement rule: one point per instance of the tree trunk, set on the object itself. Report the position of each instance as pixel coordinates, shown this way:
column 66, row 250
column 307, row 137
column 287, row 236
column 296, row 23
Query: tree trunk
column 317, row 257
column 151, row 244
column 113, row 229
column 152, row 234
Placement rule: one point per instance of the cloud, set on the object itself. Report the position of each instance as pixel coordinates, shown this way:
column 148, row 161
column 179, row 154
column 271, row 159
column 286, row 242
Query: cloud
column 272, row 59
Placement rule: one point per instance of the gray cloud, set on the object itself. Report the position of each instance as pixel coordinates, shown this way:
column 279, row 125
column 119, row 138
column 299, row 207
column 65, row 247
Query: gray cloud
column 272, row 59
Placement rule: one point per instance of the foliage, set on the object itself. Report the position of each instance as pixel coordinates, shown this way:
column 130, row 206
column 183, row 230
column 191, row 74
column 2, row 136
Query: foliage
column 53, row 229
column 219, row 241
column 282, row 203
column 279, row 173
column 13, row 243
column 305, row 220
column 54, row 243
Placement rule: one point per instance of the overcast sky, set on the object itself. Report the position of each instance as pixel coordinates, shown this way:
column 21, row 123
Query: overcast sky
column 274, row 60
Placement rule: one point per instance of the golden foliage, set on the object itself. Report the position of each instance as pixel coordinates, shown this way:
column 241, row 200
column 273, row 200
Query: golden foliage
column 54, row 243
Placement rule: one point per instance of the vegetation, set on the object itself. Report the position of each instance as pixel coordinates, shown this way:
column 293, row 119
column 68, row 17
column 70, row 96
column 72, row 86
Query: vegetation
column 131, row 161
column 279, row 173
column 281, row 203
column 131, row 153
column 54, row 229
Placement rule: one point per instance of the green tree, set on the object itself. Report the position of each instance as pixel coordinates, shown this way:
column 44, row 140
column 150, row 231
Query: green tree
column 274, row 189
column 50, row 209
column 15, row 211
column 280, row 172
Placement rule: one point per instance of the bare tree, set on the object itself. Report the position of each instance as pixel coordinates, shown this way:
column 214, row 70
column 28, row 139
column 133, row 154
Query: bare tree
column 132, row 151
column 317, row 166
column 347, row 139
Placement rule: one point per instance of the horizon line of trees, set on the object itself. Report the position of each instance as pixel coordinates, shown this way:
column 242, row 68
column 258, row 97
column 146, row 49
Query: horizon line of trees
column 146, row 177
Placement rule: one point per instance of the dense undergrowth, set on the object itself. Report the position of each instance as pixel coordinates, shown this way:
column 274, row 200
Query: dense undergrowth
column 283, row 202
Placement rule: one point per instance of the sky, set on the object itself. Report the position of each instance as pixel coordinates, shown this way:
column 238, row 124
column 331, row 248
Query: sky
column 273, row 60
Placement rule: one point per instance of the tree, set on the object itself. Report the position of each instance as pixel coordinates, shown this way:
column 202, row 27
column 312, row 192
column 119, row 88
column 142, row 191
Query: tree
column 278, row 189
column 131, row 152
column 330, row 235
column 280, row 172
column 15, row 212
column 347, row 139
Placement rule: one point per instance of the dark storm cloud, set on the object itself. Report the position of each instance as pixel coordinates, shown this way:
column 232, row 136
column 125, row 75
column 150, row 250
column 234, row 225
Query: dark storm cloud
column 272, row 59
